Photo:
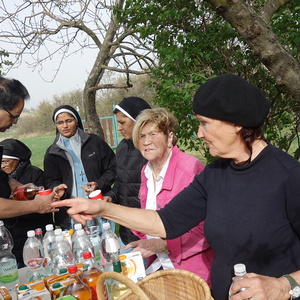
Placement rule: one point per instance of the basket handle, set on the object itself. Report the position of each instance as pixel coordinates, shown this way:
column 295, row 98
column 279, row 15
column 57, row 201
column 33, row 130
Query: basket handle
column 121, row 278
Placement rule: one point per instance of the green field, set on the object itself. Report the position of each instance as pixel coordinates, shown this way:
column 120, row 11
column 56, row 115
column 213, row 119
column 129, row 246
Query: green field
column 37, row 144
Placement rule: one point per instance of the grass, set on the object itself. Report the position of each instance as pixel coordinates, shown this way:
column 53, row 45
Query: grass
column 38, row 145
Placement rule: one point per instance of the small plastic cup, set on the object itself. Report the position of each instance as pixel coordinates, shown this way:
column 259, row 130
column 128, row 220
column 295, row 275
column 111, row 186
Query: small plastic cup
column 96, row 195
column 45, row 192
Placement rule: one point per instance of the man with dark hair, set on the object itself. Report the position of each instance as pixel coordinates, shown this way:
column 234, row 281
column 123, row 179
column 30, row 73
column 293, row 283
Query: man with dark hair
column 12, row 98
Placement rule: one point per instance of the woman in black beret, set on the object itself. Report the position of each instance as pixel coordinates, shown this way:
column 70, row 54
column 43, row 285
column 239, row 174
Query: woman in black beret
column 16, row 163
column 249, row 197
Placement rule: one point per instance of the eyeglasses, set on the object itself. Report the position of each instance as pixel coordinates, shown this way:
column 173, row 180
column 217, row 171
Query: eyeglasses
column 15, row 117
column 5, row 162
column 68, row 121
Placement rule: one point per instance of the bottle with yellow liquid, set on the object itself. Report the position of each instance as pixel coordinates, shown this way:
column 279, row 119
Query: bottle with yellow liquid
column 116, row 288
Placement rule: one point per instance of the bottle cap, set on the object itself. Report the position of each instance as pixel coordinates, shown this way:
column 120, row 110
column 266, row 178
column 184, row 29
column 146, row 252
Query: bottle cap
column 30, row 233
column 96, row 195
column 49, row 227
column 106, row 226
column 23, row 287
column 239, row 269
column 77, row 226
column 38, row 231
column 58, row 231
column 86, row 255
column 72, row 269
column 45, row 192
column 63, row 271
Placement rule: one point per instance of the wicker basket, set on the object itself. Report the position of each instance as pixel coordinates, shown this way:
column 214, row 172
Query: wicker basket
column 171, row 284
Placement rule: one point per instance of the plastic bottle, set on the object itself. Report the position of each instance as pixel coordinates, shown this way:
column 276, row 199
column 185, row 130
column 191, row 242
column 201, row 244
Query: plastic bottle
column 77, row 289
column 39, row 234
column 33, row 257
column 94, row 236
column 8, row 264
column 115, row 288
column 61, row 256
column 90, row 273
column 26, row 192
column 110, row 248
column 240, row 273
column 82, row 244
column 77, row 226
column 48, row 241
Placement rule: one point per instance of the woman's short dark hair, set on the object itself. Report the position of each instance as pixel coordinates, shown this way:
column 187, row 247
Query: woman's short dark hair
column 249, row 135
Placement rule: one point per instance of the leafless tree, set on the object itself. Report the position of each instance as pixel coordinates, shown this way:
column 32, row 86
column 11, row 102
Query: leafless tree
column 44, row 29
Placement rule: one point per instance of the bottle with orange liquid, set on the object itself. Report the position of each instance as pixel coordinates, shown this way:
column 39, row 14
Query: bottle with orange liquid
column 90, row 273
column 26, row 192
column 77, row 288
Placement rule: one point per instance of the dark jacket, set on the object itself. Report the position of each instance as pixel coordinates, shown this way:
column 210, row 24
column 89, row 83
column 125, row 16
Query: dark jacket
column 98, row 161
column 19, row 226
column 129, row 163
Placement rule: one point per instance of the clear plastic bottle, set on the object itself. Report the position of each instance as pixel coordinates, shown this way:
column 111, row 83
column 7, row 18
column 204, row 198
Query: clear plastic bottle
column 82, row 244
column 26, row 191
column 39, row 234
column 48, row 241
column 240, row 273
column 8, row 264
column 93, row 232
column 33, row 256
column 110, row 247
column 77, row 289
column 61, row 256
column 90, row 273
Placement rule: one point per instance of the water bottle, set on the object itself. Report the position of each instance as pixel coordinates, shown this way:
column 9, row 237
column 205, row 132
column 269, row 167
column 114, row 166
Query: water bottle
column 48, row 243
column 8, row 264
column 94, row 236
column 82, row 244
column 110, row 248
column 240, row 273
column 39, row 234
column 61, row 256
column 33, row 257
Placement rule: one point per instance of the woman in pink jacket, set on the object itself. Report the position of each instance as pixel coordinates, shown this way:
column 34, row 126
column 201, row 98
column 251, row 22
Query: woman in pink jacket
column 167, row 172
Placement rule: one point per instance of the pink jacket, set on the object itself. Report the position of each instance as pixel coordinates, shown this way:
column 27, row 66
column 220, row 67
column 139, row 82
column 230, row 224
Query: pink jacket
column 190, row 251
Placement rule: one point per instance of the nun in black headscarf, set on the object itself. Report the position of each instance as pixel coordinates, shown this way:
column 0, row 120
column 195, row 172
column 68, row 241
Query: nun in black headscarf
column 82, row 161
column 16, row 163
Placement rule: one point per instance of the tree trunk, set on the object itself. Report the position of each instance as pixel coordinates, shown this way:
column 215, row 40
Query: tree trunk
column 265, row 44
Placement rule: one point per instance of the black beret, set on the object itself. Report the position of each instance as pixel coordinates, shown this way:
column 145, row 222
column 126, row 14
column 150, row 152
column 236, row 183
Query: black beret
column 16, row 148
column 132, row 106
column 232, row 99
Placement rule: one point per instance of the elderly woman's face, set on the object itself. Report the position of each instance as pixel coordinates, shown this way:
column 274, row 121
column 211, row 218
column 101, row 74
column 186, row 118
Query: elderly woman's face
column 9, row 165
column 153, row 144
column 66, row 125
column 222, row 138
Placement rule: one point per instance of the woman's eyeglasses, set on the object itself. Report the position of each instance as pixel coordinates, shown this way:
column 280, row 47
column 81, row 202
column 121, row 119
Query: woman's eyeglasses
column 68, row 121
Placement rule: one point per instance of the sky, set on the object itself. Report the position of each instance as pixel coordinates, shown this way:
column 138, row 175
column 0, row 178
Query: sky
column 71, row 76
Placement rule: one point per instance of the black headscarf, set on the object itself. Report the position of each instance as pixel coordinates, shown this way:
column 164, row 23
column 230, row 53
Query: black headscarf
column 70, row 110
